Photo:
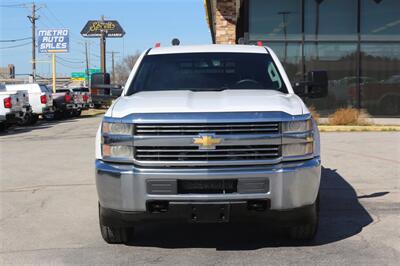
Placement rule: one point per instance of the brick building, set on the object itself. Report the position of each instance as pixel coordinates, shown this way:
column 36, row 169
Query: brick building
column 356, row 41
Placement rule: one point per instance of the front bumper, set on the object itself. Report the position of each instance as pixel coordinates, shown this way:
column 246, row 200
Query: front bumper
column 291, row 185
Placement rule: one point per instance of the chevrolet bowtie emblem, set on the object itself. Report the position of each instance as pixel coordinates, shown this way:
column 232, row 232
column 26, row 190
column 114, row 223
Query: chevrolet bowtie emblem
column 207, row 142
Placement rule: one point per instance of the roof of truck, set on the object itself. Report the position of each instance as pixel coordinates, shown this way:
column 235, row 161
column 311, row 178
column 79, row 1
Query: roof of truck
column 211, row 48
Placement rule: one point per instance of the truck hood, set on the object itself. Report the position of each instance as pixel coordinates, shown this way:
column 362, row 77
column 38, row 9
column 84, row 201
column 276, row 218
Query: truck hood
column 207, row 101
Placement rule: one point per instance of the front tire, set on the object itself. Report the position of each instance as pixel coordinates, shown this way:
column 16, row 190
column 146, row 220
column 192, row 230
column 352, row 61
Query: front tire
column 77, row 113
column 115, row 235
column 308, row 230
column 34, row 119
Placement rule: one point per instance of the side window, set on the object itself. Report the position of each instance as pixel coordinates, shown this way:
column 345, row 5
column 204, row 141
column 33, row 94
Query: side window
column 274, row 75
column 43, row 88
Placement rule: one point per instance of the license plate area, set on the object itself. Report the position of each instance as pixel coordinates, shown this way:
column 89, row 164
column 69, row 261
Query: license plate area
column 209, row 213
column 223, row 186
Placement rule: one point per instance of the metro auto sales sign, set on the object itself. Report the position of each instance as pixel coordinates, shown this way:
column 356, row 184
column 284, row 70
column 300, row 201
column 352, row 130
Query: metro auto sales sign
column 53, row 41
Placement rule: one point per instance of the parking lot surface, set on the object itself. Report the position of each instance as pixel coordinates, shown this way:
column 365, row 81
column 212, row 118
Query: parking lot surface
column 49, row 208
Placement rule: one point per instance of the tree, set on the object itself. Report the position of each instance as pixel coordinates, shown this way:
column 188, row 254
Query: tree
column 124, row 68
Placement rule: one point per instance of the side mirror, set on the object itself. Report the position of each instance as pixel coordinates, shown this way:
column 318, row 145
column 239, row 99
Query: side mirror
column 316, row 85
column 116, row 90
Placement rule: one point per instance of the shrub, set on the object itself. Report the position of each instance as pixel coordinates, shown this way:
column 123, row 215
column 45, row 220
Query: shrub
column 348, row 116
column 314, row 113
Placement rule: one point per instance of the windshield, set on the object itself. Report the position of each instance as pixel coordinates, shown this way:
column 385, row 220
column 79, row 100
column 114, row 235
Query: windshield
column 207, row 72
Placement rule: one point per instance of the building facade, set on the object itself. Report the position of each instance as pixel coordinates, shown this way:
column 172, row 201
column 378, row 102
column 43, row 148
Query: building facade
column 356, row 41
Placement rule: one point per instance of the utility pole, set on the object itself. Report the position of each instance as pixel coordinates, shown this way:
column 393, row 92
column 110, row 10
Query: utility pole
column 113, row 65
column 33, row 19
column 87, row 62
column 103, row 47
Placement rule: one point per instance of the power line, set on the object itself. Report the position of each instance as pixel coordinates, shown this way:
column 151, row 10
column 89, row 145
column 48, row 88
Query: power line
column 70, row 61
column 15, row 5
column 15, row 46
column 16, row 40
column 69, row 66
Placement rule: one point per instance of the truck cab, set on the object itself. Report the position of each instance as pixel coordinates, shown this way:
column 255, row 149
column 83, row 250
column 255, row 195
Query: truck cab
column 212, row 133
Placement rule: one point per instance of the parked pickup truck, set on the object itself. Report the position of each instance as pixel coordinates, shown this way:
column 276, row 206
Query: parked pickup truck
column 84, row 96
column 76, row 101
column 14, row 107
column 40, row 99
column 64, row 105
column 209, row 133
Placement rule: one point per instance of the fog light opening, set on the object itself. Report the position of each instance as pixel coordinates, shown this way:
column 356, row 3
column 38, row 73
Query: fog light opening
column 258, row 205
column 158, row 206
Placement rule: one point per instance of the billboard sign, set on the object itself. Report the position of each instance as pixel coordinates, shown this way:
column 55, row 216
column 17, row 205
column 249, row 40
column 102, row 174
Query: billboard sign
column 53, row 41
column 82, row 75
column 111, row 29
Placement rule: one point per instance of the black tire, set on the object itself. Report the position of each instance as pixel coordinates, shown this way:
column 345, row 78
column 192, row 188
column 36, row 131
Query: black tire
column 115, row 235
column 26, row 121
column 308, row 230
column 3, row 126
column 68, row 113
column 77, row 113
column 58, row 115
column 33, row 120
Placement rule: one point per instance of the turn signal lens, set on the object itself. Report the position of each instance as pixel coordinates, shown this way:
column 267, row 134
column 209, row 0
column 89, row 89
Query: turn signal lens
column 7, row 102
column 125, row 152
column 43, row 99
column 67, row 98
column 85, row 97
column 297, row 149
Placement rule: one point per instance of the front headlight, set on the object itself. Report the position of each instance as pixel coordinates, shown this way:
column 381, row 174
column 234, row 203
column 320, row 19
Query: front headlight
column 296, row 126
column 117, row 128
column 298, row 149
column 116, row 141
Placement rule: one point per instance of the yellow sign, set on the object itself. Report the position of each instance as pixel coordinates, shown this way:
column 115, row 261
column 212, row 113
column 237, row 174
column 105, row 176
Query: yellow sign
column 206, row 141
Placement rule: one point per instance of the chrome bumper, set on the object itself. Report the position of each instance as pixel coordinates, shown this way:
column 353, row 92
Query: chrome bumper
column 291, row 185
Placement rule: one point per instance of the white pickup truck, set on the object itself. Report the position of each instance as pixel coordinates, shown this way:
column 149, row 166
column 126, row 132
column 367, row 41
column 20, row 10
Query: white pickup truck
column 209, row 133
column 14, row 107
column 40, row 99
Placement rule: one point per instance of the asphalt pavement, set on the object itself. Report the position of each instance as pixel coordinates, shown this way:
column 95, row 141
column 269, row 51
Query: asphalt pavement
column 48, row 208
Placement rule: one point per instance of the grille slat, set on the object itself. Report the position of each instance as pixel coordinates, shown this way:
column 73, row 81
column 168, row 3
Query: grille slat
column 207, row 155
column 194, row 129
column 150, row 150
column 193, row 153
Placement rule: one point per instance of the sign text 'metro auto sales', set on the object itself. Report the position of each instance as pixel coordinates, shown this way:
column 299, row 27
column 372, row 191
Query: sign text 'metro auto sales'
column 53, row 41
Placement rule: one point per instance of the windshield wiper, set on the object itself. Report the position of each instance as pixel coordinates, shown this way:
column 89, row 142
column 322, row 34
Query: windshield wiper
column 211, row 89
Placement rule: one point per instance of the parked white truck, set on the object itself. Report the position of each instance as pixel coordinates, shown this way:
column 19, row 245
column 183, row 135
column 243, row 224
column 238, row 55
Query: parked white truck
column 14, row 107
column 209, row 133
column 40, row 99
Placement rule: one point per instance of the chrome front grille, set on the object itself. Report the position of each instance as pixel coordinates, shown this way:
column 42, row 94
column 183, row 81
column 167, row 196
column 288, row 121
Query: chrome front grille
column 193, row 153
column 176, row 144
column 195, row 129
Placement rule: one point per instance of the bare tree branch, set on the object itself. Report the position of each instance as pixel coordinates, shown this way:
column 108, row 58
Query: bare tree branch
column 123, row 69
